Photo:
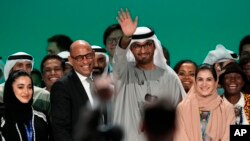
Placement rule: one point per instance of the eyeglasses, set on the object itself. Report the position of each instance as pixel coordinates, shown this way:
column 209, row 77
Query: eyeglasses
column 50, row 70
column 113, row 40
column 147, row 45
column 87, row 56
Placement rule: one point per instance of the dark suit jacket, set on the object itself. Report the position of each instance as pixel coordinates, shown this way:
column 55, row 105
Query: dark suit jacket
column 68, row 96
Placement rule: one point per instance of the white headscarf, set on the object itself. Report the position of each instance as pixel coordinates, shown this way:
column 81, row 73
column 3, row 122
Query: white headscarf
column 220, row 54
column 143, row 34
column 64, row 55
column 13, row 59
column 100, row 50
column 2, row 69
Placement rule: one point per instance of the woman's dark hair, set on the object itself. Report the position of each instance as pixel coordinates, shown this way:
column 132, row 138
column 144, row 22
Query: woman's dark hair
column 207, row 67
column 109, row 30
column 178, row 64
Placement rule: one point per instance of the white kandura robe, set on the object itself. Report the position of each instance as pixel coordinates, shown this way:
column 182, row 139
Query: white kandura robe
column 131, row 86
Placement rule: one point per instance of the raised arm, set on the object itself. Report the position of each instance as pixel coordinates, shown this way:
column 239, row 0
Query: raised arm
column 128, row 27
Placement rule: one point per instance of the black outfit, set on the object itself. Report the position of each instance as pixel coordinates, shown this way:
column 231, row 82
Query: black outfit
column 17, row 117
column 10, row 129
column 67, row 98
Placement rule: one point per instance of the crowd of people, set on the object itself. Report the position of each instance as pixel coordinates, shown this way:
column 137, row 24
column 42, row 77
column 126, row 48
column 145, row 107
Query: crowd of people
column 125, row 90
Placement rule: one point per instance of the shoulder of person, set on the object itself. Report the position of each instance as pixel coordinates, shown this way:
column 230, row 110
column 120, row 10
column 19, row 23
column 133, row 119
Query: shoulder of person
column 229, row 107
column 247, row 97
column 39, row 114
column 40, row 90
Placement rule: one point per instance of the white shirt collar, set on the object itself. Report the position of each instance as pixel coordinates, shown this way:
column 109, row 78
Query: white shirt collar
column 86, row 86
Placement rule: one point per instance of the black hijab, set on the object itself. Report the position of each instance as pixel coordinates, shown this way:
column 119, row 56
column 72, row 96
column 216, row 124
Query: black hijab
column 15, row 112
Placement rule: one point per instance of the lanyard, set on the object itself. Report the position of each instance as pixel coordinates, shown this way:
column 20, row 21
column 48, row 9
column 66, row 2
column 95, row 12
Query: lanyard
column 204, row 116
column 238, row 113
column 29, row 131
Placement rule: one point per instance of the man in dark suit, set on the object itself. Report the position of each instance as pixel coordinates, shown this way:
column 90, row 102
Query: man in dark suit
column 72, row 92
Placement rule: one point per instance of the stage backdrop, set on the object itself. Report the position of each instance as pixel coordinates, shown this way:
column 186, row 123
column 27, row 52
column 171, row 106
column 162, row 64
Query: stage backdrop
column 187, row 28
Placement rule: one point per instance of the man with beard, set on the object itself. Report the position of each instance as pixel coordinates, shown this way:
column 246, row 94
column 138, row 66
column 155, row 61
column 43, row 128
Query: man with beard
column 101, row 61
column 140, row 69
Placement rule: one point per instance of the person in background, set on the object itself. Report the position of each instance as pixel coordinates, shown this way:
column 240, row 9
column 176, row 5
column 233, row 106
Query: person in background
column 245, row 66
column 244, row 47
column 233, row 80
column 219, row 58
column 1, row 70
column 37, row 78
column 20, row 121
column 64, row 55
column 25, row 62
column 140, row 71
column 186, row 70
column 58, row 43
column 111, row 37
column 101, row 66
column 52, row 68
column 154, row 124
column 203, row 115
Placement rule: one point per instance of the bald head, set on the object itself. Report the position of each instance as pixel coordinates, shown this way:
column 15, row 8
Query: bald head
column 82, row 57
column 79, row 43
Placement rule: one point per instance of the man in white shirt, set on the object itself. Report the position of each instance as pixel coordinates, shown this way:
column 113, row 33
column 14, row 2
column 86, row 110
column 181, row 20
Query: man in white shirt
column 72, row 92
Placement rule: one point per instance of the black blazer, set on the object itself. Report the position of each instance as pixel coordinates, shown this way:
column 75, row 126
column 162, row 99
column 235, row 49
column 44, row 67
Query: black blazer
column 67, row 98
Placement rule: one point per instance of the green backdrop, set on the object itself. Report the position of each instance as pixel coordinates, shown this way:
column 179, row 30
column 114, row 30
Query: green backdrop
column 188, row 28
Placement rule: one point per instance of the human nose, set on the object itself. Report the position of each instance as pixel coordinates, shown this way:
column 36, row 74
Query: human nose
column 185, row 76
column 143, row 49
column 53, row 71
column 232, row 79
column 26, row 90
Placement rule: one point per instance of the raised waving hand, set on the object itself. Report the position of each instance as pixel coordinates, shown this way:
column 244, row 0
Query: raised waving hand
column 128, row 26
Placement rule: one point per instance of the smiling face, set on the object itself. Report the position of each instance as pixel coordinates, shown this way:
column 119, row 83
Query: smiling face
column 143, row 52
column 233, row 83
column 52, row 71
column 186, row 74
column 82, row 57
column 22, row 88
column 205, row 83
column 100, row 64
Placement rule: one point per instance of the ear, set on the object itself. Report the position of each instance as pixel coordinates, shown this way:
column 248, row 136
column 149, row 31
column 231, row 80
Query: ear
column 70, row 60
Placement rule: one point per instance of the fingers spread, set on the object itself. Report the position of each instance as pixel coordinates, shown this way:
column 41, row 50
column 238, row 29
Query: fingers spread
column 136, row 21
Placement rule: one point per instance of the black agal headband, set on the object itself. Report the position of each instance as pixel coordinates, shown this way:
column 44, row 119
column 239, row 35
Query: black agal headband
column 17, row 57
column 99, row 50
column 143, row 36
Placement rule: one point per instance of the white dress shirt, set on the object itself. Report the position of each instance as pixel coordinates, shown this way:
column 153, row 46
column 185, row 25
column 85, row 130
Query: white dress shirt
column 86, row 85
